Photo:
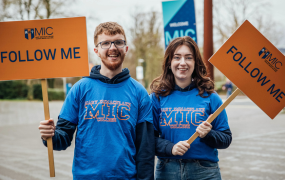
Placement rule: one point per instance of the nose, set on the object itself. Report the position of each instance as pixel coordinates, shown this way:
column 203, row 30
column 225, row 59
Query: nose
column 182, row 61
column 113, row 46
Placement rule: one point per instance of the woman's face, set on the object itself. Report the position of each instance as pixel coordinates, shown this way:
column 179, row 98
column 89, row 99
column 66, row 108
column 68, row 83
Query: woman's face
column 182, row 64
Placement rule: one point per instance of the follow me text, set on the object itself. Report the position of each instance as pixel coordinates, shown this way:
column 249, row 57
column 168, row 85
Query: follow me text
column 38, row 55
column 256, row 73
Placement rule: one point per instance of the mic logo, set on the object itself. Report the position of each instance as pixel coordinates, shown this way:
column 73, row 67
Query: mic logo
column 39, row 33
column 31, row 32
column 273, row 63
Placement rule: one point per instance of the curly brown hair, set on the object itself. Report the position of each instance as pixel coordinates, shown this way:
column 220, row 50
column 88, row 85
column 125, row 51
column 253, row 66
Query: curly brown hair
column 109, row 28
column 164, row 84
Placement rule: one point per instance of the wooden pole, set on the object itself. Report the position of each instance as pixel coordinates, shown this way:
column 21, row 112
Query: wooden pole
column 216, row 113
column 47, row 117
column 208, row 37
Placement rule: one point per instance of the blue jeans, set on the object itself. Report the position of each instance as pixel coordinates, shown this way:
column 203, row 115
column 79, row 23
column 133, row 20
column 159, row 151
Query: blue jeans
column 229, row 92
column 186, row 169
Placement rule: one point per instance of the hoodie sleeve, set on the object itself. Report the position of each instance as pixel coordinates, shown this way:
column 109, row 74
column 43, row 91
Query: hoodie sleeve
column 163, row 147
column 220, row 136
column 63, row 134
column 145, row 151
column 144, row 141
column 218, row 139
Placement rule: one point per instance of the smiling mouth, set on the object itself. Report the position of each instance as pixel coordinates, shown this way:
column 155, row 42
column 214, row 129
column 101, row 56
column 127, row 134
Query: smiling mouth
column 182, row 69
column 113, row 55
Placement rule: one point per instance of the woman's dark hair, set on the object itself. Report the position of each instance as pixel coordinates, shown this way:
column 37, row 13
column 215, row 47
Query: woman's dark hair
column 164, row 84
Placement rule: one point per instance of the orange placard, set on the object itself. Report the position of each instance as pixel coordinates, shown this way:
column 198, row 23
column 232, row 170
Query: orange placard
column 40, row 49
column 255, row 66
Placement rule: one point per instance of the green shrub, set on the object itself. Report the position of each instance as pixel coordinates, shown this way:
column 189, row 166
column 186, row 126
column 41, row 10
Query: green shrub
column 13, row 90
column 38, row 91
column 53, row 94
column 19, row 90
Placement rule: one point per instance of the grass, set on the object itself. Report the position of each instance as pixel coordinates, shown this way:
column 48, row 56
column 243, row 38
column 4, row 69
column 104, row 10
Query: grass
column 18, row 99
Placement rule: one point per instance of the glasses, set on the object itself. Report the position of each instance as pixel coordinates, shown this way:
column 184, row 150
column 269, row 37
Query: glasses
column 108, row 44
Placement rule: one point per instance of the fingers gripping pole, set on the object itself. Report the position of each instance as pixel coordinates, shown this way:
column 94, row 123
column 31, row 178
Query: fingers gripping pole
column 47, row 117
column 216, row 113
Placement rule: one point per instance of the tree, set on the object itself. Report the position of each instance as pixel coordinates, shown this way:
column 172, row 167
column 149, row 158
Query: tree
column 4, row 7
column 146, row 44
column 32, row 9
column 230, row 14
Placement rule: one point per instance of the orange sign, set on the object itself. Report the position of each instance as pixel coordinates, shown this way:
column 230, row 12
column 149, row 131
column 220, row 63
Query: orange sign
column 255, row 66
column 41, row 49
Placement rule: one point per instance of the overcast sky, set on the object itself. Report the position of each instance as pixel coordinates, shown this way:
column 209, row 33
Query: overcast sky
column 120, row 11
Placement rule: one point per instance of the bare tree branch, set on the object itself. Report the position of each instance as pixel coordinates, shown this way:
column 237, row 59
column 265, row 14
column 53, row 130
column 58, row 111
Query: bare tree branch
column 146, row 44
column 230, row 14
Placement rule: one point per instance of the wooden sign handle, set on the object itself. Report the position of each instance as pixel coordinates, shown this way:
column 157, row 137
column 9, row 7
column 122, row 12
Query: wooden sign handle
column 216, row 113
column 47, row 117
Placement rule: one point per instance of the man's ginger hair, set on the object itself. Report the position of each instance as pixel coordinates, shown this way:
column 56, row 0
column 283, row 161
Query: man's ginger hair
column 109, row 28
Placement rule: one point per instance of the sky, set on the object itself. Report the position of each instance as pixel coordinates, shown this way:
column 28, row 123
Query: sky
column 98, row 11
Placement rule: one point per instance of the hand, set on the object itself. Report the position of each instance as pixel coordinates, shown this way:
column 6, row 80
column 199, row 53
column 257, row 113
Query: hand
column 204, row 128
column 47, row 128
column 180, row 148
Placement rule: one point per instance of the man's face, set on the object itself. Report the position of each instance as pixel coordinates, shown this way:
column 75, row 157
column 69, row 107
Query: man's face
column 113, row 57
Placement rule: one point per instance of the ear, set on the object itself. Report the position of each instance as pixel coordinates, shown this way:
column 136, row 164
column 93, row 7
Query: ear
column 127, row 48
column 96, row 51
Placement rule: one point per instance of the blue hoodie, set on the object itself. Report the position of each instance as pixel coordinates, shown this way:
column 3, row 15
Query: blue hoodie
column 114, row 137
column 176, row 118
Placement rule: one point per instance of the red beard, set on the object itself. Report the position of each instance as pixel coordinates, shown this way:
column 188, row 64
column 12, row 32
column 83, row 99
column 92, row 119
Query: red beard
column 113, row 65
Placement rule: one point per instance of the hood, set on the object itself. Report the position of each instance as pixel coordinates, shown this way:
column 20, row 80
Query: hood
column 122, row 76
column 191, row 86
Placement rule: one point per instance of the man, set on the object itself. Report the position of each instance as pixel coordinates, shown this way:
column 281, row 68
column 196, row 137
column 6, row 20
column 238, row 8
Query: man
column 112, row 114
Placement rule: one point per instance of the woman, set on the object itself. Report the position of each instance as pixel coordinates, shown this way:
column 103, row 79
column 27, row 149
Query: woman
column 183, row 98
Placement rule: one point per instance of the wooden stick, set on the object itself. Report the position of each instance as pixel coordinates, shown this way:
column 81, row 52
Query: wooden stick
column 216, row 113
column 47, row 117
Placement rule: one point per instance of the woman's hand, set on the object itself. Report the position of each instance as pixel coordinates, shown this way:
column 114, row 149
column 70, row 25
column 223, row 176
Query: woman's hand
column 180, row 148
column 204, row 128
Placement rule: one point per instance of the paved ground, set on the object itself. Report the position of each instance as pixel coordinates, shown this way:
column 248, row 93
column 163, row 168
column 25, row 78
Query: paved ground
column 257, row 150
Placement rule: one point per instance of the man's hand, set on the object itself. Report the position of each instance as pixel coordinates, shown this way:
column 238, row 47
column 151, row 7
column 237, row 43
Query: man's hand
column 180, row 148
column 204, row 128
column 47, row 128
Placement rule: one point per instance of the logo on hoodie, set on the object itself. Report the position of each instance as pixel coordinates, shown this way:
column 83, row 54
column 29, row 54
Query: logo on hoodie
column 107, row 110
column 182, row 117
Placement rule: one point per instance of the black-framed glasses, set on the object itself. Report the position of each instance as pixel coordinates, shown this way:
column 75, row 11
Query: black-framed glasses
column 108, row 44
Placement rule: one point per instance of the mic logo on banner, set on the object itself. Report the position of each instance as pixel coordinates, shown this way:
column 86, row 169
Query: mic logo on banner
column 39, row 33
column 273, row 63
column 29, row 31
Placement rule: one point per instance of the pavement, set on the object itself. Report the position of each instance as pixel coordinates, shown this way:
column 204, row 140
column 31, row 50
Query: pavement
column 257, row 150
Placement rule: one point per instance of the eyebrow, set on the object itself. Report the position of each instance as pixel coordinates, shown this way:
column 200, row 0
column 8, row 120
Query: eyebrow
column 116, row 39
column 185, row 55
